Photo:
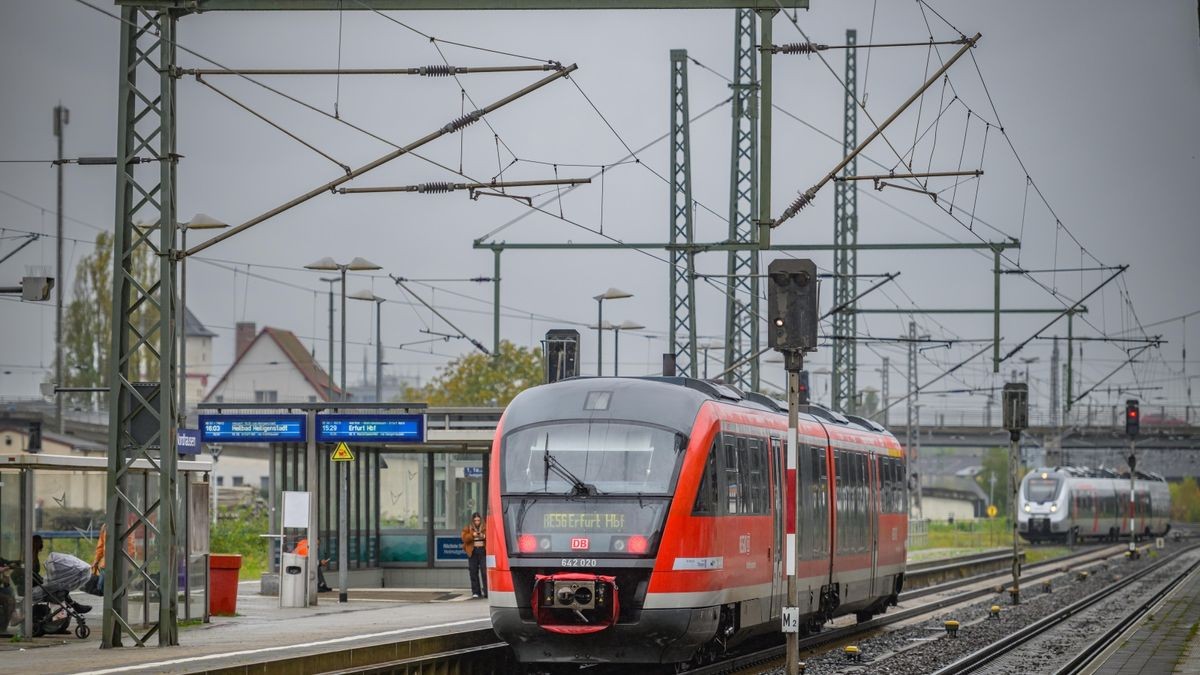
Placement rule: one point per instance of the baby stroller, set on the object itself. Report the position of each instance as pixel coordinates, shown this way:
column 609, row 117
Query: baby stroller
column 52, row 608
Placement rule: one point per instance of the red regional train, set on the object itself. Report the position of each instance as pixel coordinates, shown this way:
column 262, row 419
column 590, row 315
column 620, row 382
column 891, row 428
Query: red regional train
column 650, row 520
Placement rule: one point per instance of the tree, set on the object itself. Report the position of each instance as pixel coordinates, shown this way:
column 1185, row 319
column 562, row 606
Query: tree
column 1185, row 501
column 87, row 330
column 995, row 467
column 481, row 380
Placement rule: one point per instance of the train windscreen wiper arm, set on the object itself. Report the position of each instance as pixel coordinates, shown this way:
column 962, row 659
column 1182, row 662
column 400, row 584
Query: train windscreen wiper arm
column 578, row 487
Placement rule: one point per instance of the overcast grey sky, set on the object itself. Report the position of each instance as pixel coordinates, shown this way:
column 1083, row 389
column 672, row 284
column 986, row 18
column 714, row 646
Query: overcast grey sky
column 1099, row 99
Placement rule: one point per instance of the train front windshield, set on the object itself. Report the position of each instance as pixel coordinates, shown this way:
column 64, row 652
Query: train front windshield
column 1041, row 489
column 603, row 458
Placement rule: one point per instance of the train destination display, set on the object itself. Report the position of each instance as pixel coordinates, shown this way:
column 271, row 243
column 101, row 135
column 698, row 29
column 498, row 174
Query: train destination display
column 252, row 428
column 401, row 428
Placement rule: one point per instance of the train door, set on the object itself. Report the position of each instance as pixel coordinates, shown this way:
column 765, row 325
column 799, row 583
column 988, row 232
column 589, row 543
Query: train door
column 777, row 576
column 873, row 493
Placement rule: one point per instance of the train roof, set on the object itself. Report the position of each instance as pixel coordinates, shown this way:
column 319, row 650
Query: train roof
column 1096, row 472
column 671, row 401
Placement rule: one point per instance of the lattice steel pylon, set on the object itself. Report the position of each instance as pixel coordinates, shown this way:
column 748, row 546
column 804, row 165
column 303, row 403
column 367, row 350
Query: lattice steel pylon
column 683, row 260
column 741, row 301
column 845, row 257
column 141, row 554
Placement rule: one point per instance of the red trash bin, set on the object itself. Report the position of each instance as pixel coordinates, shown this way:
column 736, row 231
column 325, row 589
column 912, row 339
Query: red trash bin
column 223, row 583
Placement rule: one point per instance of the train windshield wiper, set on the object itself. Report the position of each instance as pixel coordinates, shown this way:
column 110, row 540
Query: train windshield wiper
column 578, row 487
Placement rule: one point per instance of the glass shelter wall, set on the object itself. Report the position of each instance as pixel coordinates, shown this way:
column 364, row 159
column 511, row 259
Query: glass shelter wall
column 407, row 509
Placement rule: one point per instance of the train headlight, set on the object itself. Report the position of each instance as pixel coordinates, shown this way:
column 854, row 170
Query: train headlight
column 1054, row 508
column 1028, row 509
column 526, row 543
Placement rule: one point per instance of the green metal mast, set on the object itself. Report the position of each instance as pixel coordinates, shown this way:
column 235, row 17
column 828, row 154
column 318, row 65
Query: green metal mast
column 845, row 257
column 141, row 556
column 683, row 261
column 741, row 301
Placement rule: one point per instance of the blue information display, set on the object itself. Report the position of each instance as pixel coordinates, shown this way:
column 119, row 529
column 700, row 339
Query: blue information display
column 252, row 428
column 371, row 428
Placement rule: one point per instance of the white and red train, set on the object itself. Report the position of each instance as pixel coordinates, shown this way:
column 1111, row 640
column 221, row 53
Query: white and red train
column 649, row 520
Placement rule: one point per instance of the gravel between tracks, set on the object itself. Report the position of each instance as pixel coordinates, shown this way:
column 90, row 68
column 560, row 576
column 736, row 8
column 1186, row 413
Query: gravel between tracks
column 923, row 648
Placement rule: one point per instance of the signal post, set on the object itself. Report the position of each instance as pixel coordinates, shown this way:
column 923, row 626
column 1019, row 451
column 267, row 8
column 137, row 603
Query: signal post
column 792, row 314
column 1016, row 419
column 1133, row 423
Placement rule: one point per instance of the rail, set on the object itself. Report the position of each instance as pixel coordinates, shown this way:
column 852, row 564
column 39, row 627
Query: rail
column 1013, row 640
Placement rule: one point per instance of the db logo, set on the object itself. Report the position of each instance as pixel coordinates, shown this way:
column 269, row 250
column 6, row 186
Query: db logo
column 579, row 543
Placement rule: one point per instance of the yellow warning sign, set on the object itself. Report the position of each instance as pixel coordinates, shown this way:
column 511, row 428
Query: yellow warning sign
column 342, row 454
column 991, row 510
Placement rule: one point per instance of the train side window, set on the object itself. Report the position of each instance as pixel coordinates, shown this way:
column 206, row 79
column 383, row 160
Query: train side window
column 708, row 495
column 733, row 483
column 887, row 477
column 754, row 478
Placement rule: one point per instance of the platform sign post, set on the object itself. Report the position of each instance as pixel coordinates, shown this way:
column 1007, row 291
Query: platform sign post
column 1016, row 419
column 793, row 318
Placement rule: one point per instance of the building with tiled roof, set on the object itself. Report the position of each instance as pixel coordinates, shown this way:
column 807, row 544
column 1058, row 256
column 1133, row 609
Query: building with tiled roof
column 272, row 366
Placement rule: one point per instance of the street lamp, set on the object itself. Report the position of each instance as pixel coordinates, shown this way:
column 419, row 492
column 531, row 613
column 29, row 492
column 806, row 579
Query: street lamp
column 610, row 294
column 329, row 264
column 616, row 329
column 369, row 296
column 199, row 221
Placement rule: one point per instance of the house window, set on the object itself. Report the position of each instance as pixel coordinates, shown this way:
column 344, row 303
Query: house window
column 267, row 396
column 220, row 481
column 220, row 398
column 312, row 399
column 238, row 481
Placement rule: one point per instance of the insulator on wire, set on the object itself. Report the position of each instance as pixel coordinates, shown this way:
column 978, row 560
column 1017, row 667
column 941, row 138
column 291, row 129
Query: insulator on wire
column 443, row 70
column 466, row 120
column 427, row 188
column 796, row 206
column 801, row 48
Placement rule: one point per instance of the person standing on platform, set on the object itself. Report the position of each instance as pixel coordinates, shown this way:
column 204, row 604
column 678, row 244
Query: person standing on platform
column 474, row 538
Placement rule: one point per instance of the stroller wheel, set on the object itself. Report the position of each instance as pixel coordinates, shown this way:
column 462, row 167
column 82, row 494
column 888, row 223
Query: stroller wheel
column 82, row 631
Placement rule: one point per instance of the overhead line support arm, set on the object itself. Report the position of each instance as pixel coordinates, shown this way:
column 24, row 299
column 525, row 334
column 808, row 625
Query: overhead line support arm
column 808, row 195
column 448, row 128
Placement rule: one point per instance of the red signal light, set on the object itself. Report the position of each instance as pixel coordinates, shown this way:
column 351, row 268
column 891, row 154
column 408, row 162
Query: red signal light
column 638, row 544
column 527, row 543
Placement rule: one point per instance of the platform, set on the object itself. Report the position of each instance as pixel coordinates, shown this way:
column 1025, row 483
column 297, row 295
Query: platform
column 261, row 632
column 1165, row 642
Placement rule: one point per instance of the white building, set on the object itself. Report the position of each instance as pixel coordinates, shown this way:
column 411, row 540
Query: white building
column 272, row 366
column 199, row 356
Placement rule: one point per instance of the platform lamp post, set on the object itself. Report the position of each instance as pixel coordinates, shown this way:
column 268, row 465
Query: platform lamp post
column 616, row 329
column 328, row 264
column 371, row 297
column 200, row 221
column 1016, row 419
column 610, row 294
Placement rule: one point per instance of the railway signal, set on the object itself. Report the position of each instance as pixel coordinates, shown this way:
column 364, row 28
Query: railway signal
column 1133, row 418
column 793, row 318
column 1133, row 422
column 1016, row 419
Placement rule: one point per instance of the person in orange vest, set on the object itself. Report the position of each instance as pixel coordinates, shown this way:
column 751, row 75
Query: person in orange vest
column 302, row 551
column 474, row 537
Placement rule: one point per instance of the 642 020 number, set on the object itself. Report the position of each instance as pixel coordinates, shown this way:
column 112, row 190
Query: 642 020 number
column 578, row 562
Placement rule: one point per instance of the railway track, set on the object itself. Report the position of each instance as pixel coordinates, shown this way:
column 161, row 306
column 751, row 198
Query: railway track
column 480, row 655
column 983, row 657
column 758, row 660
